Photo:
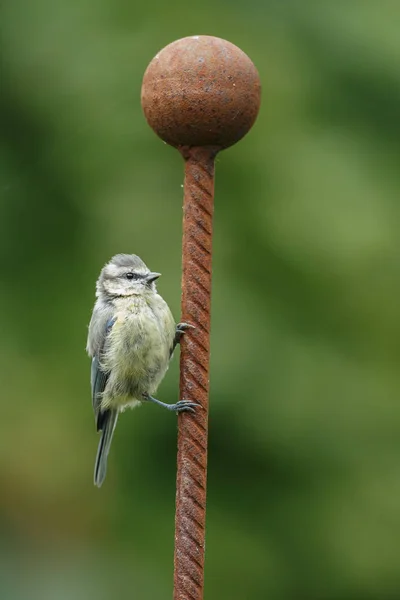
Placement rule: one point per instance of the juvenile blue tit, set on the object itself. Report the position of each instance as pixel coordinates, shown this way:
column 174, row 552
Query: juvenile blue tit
column 132, row 335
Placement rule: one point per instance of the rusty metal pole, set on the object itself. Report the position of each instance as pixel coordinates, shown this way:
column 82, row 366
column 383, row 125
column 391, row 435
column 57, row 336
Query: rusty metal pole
column 200, row 94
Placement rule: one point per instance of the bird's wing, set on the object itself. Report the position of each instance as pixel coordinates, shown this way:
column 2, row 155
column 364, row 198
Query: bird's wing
column 99, row 377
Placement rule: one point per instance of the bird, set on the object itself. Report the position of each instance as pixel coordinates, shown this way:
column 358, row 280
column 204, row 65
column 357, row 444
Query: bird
column 132, row 336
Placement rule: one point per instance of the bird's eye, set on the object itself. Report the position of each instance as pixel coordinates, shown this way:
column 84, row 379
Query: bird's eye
column 129, row 275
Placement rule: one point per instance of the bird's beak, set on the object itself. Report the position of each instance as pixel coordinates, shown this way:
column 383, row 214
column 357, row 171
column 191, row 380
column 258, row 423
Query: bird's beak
column 150, row 277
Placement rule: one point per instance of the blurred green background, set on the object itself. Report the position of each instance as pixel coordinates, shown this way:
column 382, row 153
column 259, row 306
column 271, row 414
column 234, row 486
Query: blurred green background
column 304, row 456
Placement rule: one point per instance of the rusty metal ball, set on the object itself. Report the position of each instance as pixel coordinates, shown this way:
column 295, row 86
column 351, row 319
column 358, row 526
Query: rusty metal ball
column 201, row 91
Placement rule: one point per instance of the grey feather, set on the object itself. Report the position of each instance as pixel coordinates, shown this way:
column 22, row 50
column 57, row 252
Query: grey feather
column 99, row 377
column 108, row 423
column 128, row 260
column 99, row 382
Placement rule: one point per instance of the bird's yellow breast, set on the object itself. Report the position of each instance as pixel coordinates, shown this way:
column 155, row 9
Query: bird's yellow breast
column 138, row 349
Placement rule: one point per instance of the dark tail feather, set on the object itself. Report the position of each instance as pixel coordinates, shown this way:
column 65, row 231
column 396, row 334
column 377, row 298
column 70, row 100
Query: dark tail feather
column 109, row 421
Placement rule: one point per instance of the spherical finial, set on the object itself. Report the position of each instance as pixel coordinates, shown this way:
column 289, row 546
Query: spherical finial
column 201, row 91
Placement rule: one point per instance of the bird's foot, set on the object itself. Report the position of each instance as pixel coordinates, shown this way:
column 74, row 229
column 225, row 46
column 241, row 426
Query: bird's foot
column 179, row 331
column 184, row 326
column 184, row 406
column 181, row 328
column 181, row 406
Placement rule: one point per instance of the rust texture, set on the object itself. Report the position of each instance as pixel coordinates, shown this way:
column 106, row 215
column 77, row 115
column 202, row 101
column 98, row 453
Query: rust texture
column 194, row 379
column 201, row 90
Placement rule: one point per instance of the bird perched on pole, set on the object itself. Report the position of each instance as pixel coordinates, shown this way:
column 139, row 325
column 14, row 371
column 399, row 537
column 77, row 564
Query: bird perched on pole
column 132, row 335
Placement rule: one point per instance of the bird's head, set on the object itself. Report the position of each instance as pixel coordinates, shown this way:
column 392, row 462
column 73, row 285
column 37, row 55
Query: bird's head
column 126, row 275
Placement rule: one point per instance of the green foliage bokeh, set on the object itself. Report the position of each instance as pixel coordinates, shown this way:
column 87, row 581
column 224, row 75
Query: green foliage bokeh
column 304, row 476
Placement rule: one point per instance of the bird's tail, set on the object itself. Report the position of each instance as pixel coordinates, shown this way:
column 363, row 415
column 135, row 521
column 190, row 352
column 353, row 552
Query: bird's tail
column 108, row 423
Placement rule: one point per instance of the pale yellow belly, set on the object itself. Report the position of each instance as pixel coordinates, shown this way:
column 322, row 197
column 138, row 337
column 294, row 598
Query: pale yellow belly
column 137, row 359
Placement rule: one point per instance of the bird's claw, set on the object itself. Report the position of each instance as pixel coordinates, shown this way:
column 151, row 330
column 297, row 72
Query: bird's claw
column 179, row 331
column 185, row 406
column 182, row 327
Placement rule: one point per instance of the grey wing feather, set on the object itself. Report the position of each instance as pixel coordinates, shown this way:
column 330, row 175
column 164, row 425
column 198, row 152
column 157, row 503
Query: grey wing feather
column 98, row 382
column 98, row 377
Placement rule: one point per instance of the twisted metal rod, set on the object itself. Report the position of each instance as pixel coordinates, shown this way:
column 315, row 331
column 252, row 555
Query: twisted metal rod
column 200, row 94
column 191, row 482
